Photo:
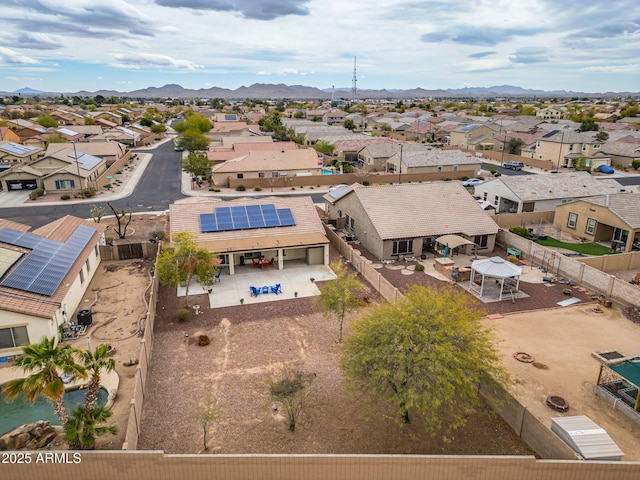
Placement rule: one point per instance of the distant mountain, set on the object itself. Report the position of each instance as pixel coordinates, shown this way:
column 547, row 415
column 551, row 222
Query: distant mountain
column 265, row 91
column 28, row 91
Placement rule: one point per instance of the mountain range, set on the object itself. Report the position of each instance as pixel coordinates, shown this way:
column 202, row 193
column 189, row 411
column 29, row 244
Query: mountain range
column 300, row 92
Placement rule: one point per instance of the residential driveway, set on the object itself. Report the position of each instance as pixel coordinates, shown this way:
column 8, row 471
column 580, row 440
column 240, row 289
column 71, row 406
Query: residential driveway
column 13, row 198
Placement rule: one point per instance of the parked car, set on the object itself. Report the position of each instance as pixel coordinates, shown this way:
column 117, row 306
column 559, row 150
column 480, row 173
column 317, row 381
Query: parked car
column 472, row 182
column 606, row 169
column 340, row 186
column 514, row 165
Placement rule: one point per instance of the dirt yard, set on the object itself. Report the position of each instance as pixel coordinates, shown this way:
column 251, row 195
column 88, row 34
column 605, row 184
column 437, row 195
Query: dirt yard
column 249, row 345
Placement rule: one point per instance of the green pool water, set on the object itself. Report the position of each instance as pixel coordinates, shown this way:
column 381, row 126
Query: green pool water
column 20, row 412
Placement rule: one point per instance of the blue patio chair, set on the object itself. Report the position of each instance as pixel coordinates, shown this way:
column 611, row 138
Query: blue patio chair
column 216, row 277
column 254, row 291
column 276, row 288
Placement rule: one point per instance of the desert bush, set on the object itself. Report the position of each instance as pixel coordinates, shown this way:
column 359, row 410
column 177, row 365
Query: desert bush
column 521, row 231
column 257, row 189
column 203, row 340
column 240, row 188
column 183, row 315
column 89, row 192
column 65, row 197
column 419, row 267
column 635, row 164
column 512, row 259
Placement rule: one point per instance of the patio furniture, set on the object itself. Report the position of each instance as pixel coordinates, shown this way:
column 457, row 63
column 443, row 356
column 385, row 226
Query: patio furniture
column 256, row 264
column 254, row 291
column 216, row 277
column 276, row 288
column 265, row 289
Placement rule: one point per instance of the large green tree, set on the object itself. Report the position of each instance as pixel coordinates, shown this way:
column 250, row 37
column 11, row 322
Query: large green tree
column 339, row 297
column 196, row 165
column 426, row 354
column 47, row 120
column 45, row 361
column 192, row 141
column 183, row 261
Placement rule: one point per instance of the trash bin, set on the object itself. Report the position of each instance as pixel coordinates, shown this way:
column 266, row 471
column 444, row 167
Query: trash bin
column 85, row 318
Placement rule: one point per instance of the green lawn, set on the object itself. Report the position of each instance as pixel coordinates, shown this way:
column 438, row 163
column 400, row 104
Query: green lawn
column 585, row 248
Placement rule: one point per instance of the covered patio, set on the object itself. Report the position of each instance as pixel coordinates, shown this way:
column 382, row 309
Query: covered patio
column 229, row 289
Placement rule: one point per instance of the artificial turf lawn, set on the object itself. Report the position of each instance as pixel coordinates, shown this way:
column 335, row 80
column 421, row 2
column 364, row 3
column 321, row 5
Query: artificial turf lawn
column 585, row 248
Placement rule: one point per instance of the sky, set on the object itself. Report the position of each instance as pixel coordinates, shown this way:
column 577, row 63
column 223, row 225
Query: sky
column 68, row 46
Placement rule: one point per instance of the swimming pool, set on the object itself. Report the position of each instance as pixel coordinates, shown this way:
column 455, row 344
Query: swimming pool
column 20, row 411
column 328, row 171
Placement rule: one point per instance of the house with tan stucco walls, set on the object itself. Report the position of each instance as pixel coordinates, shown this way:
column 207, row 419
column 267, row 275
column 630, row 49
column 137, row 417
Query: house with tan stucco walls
column 44, row 274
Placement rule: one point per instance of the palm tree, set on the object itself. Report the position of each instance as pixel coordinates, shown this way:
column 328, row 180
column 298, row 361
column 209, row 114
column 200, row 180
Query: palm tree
column 94, row 362
column 47, row 361
column 82, row 429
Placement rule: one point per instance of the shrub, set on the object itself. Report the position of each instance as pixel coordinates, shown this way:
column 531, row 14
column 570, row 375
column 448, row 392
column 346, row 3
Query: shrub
column 521, row 231
column 33, row 195
column 419, row 267
column 203, row 340
column 365, row 183
column 512, row 259
column 183, row 315
column 636, row 164
column 240, row 188
column 212, row 189
column 65, row 197
column 217, row 190
column 108, row 186
column 39, row 191
column 159, row 234
column 118, row 172
column 89, row 192
column 257, row 189
column 464, row 178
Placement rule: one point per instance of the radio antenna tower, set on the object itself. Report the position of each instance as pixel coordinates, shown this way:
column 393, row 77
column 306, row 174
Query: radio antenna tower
column 354, row 88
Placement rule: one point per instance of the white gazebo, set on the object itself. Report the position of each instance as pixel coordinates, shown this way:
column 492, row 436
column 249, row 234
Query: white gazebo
column 494, row 267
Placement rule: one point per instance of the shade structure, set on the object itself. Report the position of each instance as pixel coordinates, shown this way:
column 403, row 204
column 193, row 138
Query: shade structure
column 495, row 267
column 453, row 241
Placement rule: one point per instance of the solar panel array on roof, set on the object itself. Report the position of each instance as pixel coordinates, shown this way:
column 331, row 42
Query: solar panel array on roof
column 231, row 117
column 86, row 161
column 66, row 131
column 17, row 149
column 43, row 269
column 246, row 217
column 550, row 134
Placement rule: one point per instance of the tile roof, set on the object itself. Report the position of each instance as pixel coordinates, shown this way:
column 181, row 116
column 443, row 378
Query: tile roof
column 426, row 209
column 44, row 306
column 418, row 155
column 557, row 185
column 308, row 230
column 271, row 160
column 625, row 206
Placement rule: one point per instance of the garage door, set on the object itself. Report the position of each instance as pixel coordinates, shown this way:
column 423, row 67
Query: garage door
column 22, row 184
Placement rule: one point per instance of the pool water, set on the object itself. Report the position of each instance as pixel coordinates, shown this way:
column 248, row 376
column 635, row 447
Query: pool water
column 20, row 412
column 328, row 171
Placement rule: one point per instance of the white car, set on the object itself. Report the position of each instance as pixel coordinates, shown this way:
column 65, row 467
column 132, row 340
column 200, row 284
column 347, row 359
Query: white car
column 338, row 187
column 472, row 182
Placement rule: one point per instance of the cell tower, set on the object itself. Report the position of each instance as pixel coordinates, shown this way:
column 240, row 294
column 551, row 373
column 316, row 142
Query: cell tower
column 354, row 88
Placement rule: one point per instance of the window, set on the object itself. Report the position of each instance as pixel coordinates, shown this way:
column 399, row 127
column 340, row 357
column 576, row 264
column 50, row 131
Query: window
column 88, row 262
column 455, row 168
column 81, row 276
column 439, row 168
column 496, row 200
column 481, row 240
column 401, row 247
column 584, row 147
column 260, row 174
column 620, row 235
column 275, row 174
column 484, row 196
column 347, row 218
column 571, row 222
column 65, row 184
column 14, row 337
column 591, row 226
column 240, row 175
column 96, row 250
column 596, row 146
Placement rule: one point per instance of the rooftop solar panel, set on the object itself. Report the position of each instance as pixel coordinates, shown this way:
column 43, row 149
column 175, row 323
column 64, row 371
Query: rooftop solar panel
column 43, row 269
column 550, row 134
column 17, row 149
column 245, row 217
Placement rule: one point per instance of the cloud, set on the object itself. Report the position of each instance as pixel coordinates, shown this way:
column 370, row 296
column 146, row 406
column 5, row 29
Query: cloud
column 252, row 9
column 10, row 56
column 284, row 71
column 137, row 60
column 530, row 55
column 482, row 54
column 36, row 41
column 607, row 31
column 85, row 18
column 484, row 36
